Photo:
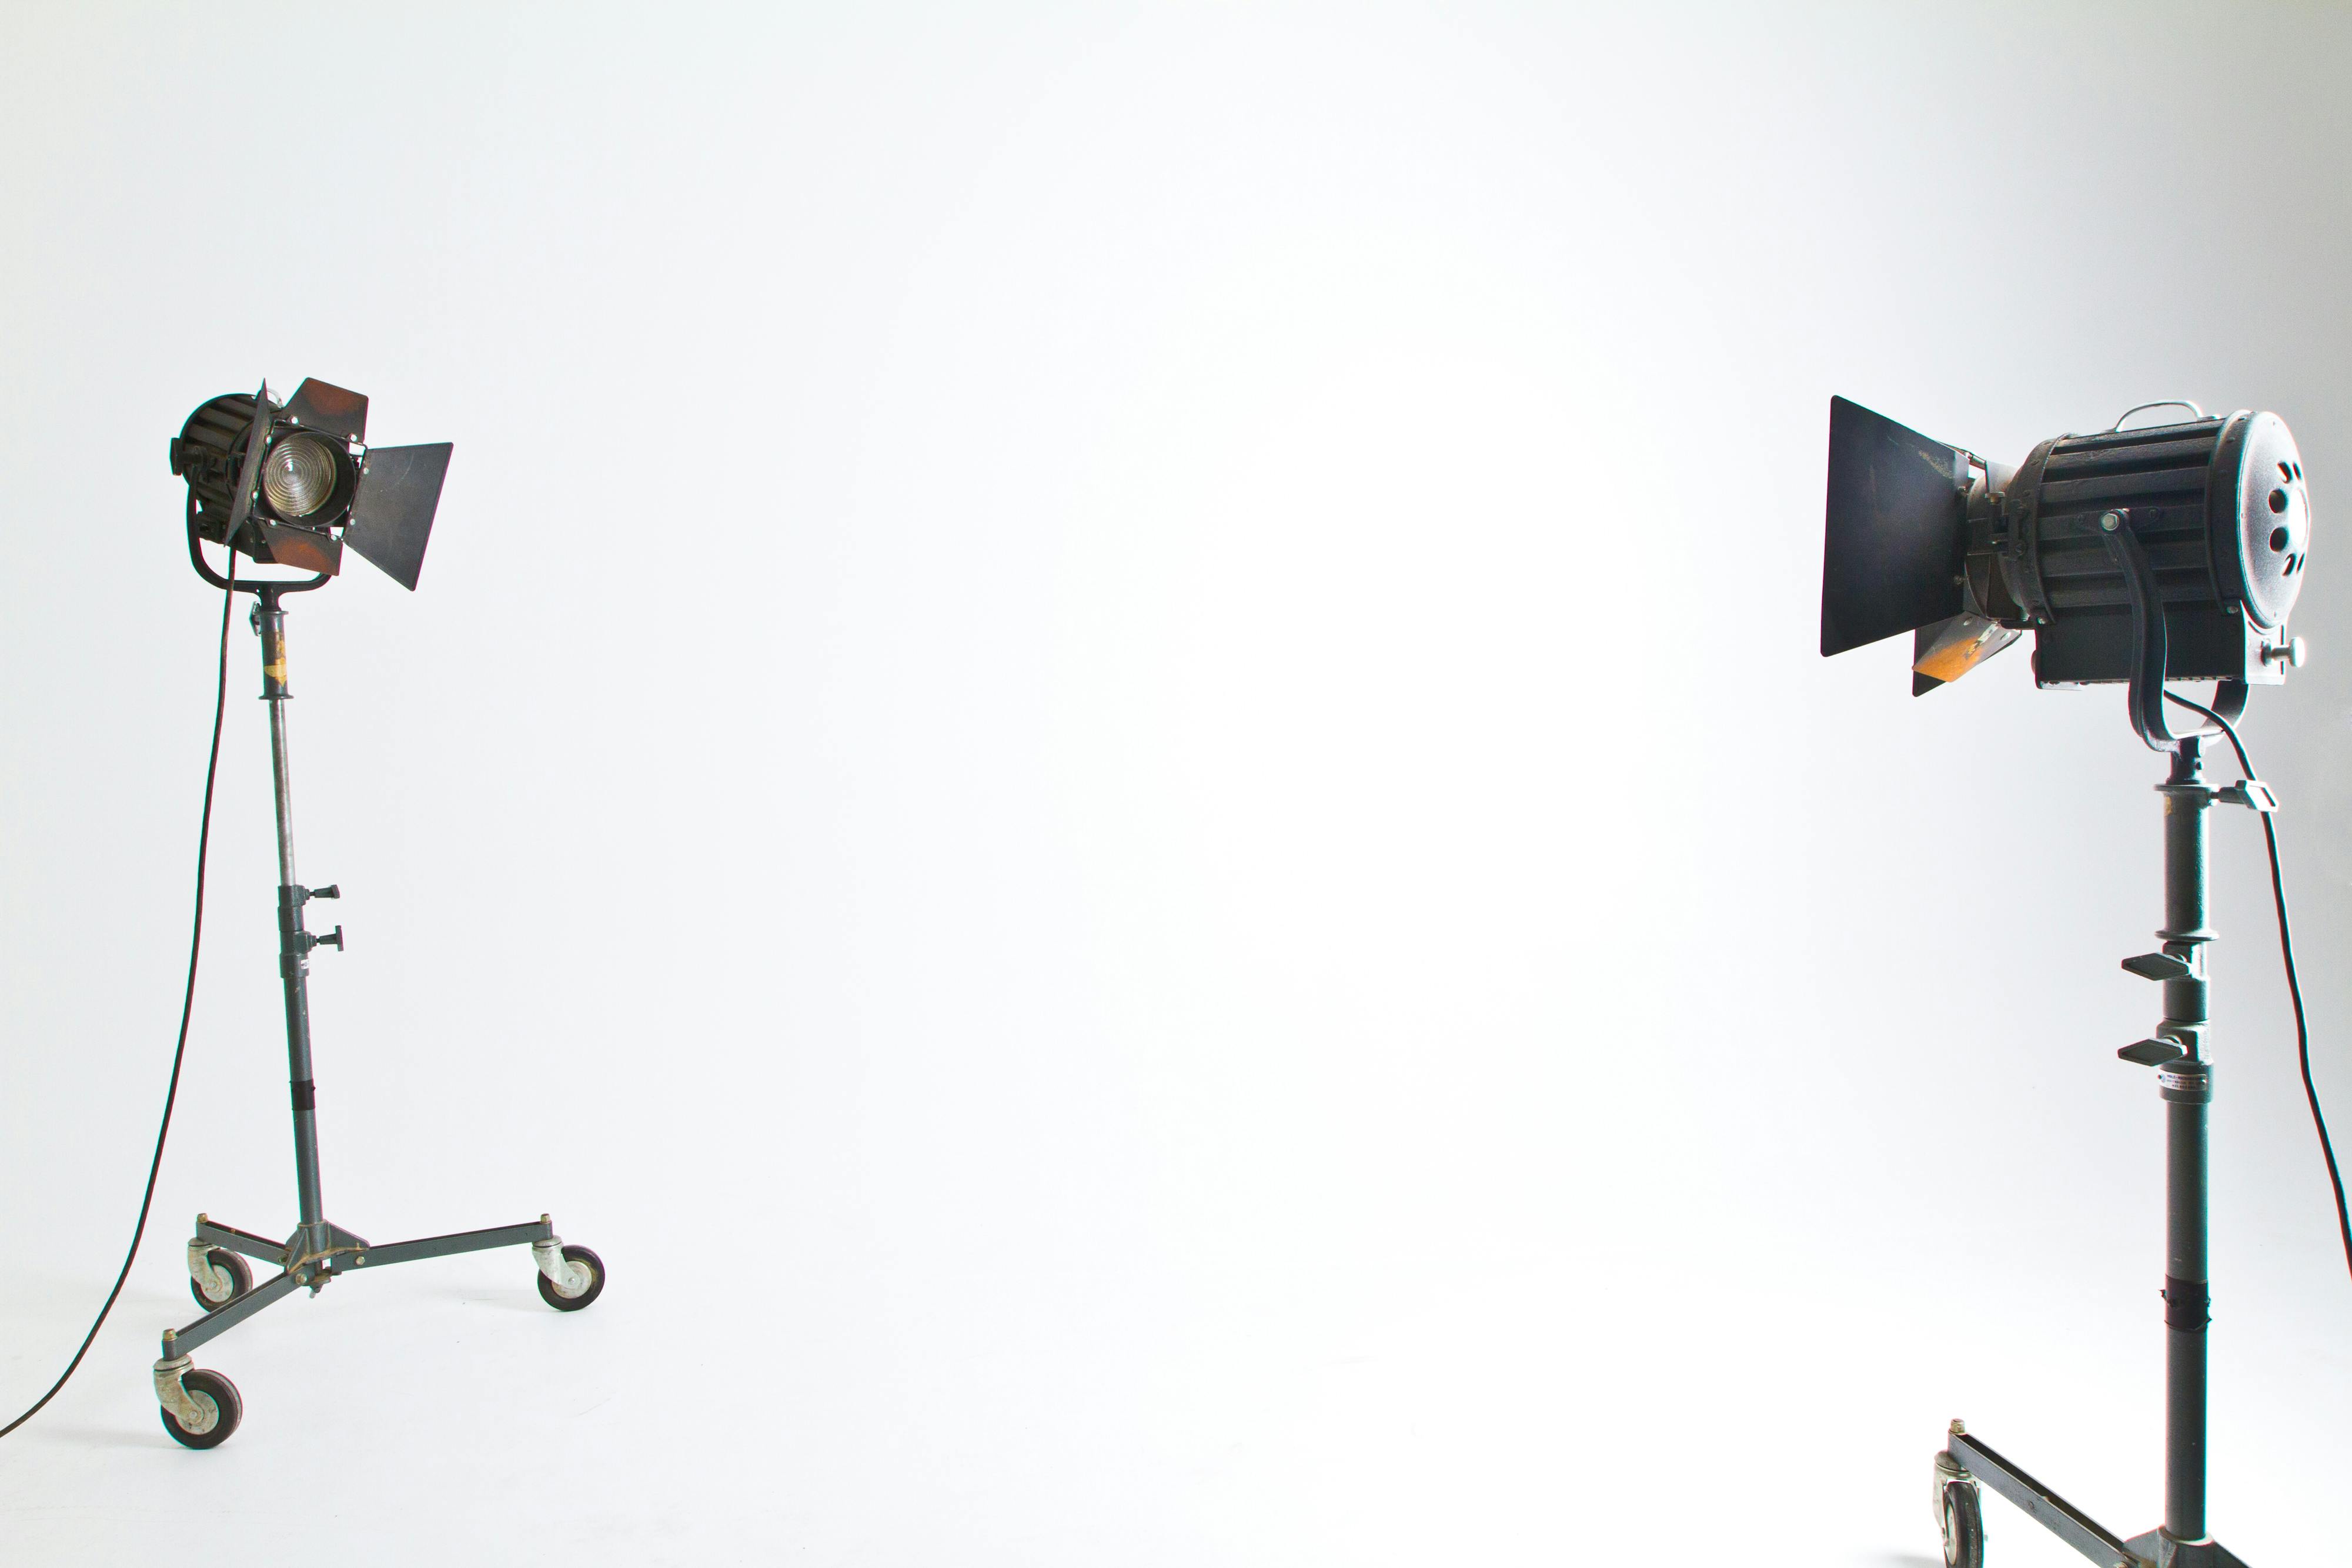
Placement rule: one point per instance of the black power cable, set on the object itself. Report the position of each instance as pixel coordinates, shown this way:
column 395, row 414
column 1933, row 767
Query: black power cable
column 2294, row 987
column 187, row 1007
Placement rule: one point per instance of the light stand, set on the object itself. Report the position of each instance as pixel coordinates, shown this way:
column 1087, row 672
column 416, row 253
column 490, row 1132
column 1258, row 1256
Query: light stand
column 2164, row 552
column 201, row 1407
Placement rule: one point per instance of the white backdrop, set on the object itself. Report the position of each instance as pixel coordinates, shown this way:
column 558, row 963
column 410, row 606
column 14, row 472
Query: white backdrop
column 1111, row 758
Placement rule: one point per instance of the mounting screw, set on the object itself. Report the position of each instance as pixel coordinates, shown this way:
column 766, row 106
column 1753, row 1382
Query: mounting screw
column 2291, row 654
column 1959, row 1429
column 2111, row 521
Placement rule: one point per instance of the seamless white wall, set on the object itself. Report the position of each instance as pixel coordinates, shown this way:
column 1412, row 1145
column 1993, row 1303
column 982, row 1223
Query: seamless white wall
column 1112, row 758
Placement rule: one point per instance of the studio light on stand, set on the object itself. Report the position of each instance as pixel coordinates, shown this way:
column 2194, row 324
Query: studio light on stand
column 2172, row 551
column 295, row 485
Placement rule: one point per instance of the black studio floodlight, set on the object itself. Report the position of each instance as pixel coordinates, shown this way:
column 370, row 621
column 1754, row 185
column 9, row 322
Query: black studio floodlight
column 294, row 484
column 2164, row 552
column 2207, row 519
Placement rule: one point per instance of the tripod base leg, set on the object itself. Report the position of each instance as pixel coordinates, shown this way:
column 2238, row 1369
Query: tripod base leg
column 2052, row 1512
column 178, row 1343
column 447, row 1246
column 201, row 1408
column 1969, row 1459
column 244, row 1243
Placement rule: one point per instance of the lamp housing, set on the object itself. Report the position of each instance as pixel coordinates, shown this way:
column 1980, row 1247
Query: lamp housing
column 1924, row 537
column 292, row 485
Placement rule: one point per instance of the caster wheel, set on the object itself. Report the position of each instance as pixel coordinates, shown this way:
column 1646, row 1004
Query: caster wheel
column 216, row 1397
column 563, row 1303
column 240, row 1278
column 1963, row 1526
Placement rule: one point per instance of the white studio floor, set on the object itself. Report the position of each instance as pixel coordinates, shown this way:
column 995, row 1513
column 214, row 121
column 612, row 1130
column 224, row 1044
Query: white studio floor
column 758, row 1408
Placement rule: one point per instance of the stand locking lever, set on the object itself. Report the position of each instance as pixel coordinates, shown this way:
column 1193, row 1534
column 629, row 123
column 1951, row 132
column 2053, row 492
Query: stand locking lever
column 2159, row 967
column 2251, row 792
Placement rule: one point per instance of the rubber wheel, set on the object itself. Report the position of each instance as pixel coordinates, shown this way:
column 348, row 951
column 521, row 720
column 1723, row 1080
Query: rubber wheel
column 563, row 1303
column 220, row 1393
column 1963, row 1526
column 240, row 1276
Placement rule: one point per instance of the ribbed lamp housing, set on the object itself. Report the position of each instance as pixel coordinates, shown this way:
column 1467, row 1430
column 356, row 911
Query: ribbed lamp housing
column 207, row 452
column 2221, row 508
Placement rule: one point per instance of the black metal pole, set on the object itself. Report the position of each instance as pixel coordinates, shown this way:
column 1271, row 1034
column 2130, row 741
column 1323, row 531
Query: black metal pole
column 2186, row 1086
column 293, row 944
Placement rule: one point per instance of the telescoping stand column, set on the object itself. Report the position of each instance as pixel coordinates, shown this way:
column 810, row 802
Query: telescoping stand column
column 300, row 473
column 2185, row 1080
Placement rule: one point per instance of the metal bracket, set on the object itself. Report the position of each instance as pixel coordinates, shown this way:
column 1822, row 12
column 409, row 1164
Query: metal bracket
column 2160, row 403
column 2149, row 652
column 195, row 1416
column 212, row 1280
column 2249, row 793
column 1948, row 1470
column 2161, row 1551
column 568, row 1278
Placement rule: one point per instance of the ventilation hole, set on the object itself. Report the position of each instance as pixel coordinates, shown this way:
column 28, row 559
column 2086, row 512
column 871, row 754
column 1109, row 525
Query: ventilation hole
column 2293, row 562
column 2278, row 539
column 2278, row 500
column 2298, row 470
column 2286, row 470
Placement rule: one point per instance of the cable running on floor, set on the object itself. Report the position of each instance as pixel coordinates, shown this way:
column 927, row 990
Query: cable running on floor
column 187, row 1007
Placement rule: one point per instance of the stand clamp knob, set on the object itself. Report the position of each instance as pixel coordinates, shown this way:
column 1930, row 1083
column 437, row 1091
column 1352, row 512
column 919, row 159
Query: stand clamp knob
column 329, row 891
column 332, row 939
